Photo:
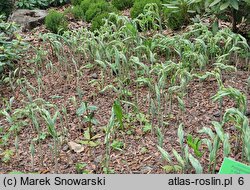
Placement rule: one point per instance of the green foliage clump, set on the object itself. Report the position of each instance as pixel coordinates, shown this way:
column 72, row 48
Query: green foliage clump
column 175, row 20
column 150, row 18
column 77, row 12
column 122, row 4
column 178, row 12
column 97, row 9
column 56, row 22
column 98, row 21
column 139, row 6
column 85, row 4
column 6, row 7
column 244, row 8
column 42, row 4
column 88, row 9
column 11, row 46
column 75, row 2
column 230, row 9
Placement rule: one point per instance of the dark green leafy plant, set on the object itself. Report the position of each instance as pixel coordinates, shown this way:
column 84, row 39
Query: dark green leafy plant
column 98, row 8
column 232, row 8
column 77, row 12
column 58, row 2
column 174, row 20
column 75, row 2
column 178, row 12
column 6, row 7
column 11, row 46
column 56, row 22
column 98, row 21
column 85, row 4
column 86, row 9
column 122, row 4
column 42, row 4
column 26, row 4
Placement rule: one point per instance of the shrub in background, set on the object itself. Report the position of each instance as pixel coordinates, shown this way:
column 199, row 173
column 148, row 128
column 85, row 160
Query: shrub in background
column 122, row 4
column 139, row 6
column 41, row 4
column 75, row 2
column 85, row 4
column 27, row 4
column 81, row 7
column 93, row 11
column 58, row 2
column 175, row 20
column 97, row 9
column 98, row 21
column 178, row 12
column 230, row 9
column 56, row 22
column 77, row 12
column 244, row 8
column 11, row 47
column 6, row 7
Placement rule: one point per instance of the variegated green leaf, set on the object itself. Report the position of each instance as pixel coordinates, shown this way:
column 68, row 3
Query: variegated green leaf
column 165, row 155
column 196, row 164
column 207, row 131
column 219, row 130
column 179, row 158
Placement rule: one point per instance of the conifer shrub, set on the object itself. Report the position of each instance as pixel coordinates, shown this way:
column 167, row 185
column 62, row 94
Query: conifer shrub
column 85, row 4
column 75, row 2
column 122, row 4
column 56, row 22
column 98, row 21
column 77, row 12
column 96, row 9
